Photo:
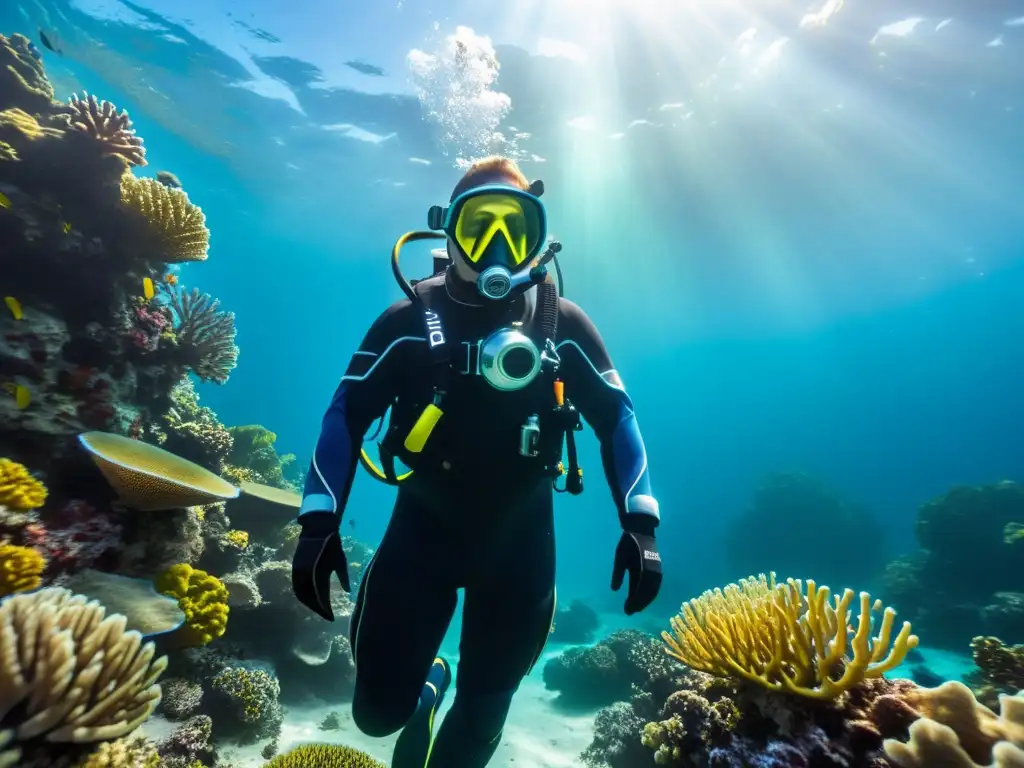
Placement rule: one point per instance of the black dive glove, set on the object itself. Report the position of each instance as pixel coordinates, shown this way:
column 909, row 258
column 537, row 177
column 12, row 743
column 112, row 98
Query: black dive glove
column 318, row 556
column 637, row 555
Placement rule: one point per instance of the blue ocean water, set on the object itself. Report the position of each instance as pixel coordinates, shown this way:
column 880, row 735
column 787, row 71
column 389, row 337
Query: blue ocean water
column 798, row 228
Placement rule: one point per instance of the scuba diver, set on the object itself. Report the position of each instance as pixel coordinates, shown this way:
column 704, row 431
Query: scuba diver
column 487, row 372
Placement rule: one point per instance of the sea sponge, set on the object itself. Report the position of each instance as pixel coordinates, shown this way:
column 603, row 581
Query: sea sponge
column 111, row 129
column 205, row 333
column 123, row 753
column 785, row 640
column 958, row 732
column 202, row 597
column 149, row 478
column 21, row 569
column 69, row 674
column 18, row 489
column 324, row 756
column 176, row 224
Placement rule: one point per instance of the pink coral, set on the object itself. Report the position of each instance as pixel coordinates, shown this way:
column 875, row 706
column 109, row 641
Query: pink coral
column 148, row 324
column 77, row 536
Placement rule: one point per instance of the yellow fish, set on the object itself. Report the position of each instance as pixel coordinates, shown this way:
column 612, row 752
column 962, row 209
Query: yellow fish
column 5, row 201
column 67, row 227
column 22, row 397
column 15, row 306
column 147, row 288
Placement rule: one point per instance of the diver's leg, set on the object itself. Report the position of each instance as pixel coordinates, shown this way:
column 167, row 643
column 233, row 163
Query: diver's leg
column 510, row 602
column 405, row 604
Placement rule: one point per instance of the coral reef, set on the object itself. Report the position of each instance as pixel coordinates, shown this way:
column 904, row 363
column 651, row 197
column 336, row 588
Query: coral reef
column 1000, row 669
column 244, row 704
column 780, row 637
column 575, row 623
column 70, row 677
column 787, row 511
column 204, row 599
column 966, row 576
column 609, row 671
column 324, row 756
column 89, row 342
column 19, row 491
column 181, row 698
column 189, row 746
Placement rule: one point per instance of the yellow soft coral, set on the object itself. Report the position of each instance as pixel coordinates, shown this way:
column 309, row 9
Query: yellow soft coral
column 175, row 222
column 202, row 597
column 18, row 489
column 786, row 639
column 21, row 569
column 324, row 756
column 238, row 539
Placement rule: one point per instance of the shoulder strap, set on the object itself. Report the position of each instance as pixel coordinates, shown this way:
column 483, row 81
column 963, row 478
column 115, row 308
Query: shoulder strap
column 437, row 341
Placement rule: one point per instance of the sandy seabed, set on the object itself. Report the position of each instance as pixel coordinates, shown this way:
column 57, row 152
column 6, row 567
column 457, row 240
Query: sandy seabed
column 537, row 733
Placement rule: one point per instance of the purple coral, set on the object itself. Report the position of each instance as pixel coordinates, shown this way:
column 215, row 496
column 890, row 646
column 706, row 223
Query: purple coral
column 101, row 121
column 148, row 324
column 206, row 334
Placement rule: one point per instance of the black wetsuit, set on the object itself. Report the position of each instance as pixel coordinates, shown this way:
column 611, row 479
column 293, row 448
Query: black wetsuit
column 475, row 513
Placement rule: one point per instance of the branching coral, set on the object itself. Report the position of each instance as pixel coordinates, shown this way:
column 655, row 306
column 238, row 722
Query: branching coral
column 101, row 121
column 21, row 569
column 69, row 675
column 202, row 597
column 18, row 489
column 785, row 640
column 324, row 756
column 206, row 334
column 176, row 224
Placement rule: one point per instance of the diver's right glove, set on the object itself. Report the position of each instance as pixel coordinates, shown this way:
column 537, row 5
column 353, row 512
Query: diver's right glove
column 318, row 556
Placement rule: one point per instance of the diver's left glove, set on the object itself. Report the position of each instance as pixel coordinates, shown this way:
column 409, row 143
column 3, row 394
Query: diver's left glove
column 317, row 557
column 637, row 555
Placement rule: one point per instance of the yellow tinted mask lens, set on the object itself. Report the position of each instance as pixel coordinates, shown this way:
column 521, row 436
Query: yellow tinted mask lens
column 484, row 217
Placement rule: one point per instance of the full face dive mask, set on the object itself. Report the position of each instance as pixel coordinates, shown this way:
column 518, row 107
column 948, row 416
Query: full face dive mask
column 499, row 230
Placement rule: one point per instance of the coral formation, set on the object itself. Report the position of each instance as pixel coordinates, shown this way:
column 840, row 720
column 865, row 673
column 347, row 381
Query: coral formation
column 181, row 698
column 205, row 334
column 18, row 489
column 70, row 677
column 324, row 756
column 145, row 610
column 149, row 478
column 177, row 226
column 21, row 569
column 796, row 503
column 966, row 578
column 785, row 639
column 1000, row 669
column 190, row 745
column 102, row 122
column 123, row 753
column 254, row 457
column 204, row 599
column 245, row 703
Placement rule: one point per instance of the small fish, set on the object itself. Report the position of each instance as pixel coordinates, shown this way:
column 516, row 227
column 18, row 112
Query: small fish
column 22, row 397
column 5, row 201
column 171, row 279
column 352, row 522
column 147, row 288
column 47, row 44
column 34, row 51
column 15, row 306
column 66, row 227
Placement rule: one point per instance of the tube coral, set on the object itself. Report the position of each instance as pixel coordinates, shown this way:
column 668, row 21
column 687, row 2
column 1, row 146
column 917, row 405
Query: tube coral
column 18, row 489
column 785, row 639
column 21, row 569
column 176, row 224
column 202, row 597
column 206, row 334
column 69, row 674
column 113, row 130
